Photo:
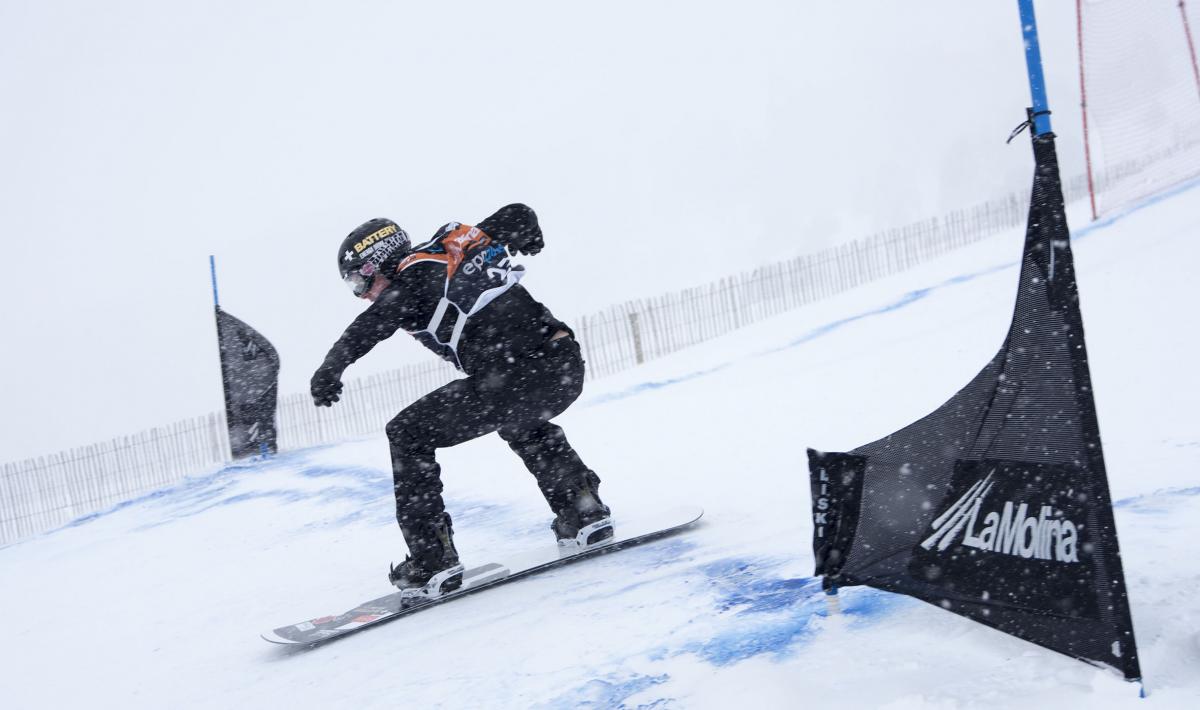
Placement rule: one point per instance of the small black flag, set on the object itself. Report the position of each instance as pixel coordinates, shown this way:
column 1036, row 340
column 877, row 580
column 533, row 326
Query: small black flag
column 250, row 374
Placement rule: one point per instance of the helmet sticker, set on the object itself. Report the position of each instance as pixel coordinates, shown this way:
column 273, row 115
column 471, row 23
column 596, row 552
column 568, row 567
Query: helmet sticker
column 380, row 251
column 375, row 236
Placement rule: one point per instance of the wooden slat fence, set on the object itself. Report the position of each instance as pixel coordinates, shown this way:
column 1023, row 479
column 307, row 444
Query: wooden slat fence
column 49, row 491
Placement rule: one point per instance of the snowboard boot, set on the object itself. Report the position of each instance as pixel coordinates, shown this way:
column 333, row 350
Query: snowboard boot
column 584, row 519
column 431, row 569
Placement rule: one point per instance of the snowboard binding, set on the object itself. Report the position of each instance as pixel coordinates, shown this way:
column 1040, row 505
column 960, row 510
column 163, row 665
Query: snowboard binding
column 590, row 534
column 437, row 585
column 582, row 519
column 433, row 569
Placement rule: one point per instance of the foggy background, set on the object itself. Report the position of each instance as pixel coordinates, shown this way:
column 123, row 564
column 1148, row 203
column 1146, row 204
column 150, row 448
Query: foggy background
column 663, row 145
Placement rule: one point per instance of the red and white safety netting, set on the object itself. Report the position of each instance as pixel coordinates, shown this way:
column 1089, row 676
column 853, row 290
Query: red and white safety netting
column 1141, row 90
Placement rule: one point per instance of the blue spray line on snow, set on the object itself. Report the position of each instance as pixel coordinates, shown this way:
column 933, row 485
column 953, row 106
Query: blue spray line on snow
column 610, row 691
column 904, row 301
column 1108, row 221
column 1033, row 60
column 1172, row 493
column 754, row 611
column 367, row 490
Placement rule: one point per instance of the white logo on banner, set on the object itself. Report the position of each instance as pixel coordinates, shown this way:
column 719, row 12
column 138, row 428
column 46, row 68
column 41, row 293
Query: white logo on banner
column 1010, row 531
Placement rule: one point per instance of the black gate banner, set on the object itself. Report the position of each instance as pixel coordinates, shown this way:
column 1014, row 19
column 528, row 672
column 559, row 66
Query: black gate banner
column 996, row 505
column 250, row 375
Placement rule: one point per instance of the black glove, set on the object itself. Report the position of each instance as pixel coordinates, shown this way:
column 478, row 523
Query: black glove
column 516, row 227
column 326, row 387
column 532, row 245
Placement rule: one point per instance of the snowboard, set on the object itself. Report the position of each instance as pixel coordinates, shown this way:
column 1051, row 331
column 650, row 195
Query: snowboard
column 627, row 532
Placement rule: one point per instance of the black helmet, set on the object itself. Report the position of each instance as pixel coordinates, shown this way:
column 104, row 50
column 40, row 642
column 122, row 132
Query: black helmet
column 374, row 246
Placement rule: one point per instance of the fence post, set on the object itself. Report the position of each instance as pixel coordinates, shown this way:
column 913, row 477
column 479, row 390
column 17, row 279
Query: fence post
column 636, row 330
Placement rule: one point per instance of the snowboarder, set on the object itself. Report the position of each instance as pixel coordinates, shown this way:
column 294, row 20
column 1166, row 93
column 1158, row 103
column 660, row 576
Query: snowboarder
column 459, row 295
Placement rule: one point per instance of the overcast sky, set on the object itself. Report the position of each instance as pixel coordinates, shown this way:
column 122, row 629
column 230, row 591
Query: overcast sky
column 663, row 144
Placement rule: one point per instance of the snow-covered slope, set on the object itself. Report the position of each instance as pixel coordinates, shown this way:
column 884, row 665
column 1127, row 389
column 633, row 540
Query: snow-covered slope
column 159, row 602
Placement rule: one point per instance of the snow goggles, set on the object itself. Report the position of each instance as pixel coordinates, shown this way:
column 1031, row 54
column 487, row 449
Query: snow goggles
column 361, row 279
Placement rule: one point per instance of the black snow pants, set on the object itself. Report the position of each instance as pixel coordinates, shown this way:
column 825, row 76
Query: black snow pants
column 517, row 400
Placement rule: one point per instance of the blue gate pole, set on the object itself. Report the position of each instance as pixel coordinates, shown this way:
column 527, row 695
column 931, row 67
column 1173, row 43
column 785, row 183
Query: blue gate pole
column 1033, row 59
column 212, row 267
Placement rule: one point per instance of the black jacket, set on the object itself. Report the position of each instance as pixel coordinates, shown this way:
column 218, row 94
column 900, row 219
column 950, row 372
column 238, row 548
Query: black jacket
column 463, row 272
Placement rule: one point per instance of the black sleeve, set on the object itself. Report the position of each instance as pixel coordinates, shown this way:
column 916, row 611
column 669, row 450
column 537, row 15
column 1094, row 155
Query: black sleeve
column 393, row 310
column 514, row 226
